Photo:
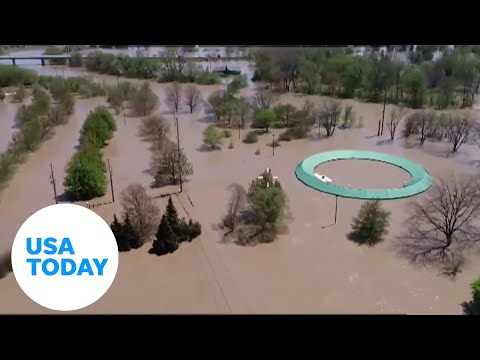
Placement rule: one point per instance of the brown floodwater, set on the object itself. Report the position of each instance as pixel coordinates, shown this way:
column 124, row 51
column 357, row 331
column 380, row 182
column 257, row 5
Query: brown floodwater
column 363, row 174
column 313, row 268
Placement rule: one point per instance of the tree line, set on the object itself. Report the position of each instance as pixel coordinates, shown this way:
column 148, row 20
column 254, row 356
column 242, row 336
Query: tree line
column 262, row 111
column 36, row 123
column 142, row 223
column 169, row 163
column 171, row 66
column 85, row 176
column 13, row 76
column 451, row 81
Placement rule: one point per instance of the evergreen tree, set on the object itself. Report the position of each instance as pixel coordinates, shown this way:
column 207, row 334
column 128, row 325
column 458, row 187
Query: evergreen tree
column 166, row 240
column 192, row 230
column 120, row 235
column 133, row 238
column 172, row 217
column 124, row 234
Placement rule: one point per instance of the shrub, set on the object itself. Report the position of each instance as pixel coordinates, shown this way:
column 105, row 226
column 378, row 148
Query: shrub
column 98, row 128
column 250, row 138
column 227, row 133
column 212, row 136
column 285, row 136
column 85, row 174
column 236, row 84
column 13, row 76
column 76, row 60
column 371, row 224
column 476, row 296
column 74, row 84
column 20, row 94
column 207, row 78
column 53, row 50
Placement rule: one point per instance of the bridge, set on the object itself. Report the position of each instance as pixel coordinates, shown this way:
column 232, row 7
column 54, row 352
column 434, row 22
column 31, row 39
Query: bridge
column 43, row 58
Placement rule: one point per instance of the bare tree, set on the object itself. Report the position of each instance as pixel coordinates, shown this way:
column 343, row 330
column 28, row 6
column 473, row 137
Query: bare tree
column 287, row 61
column 329, row 115
column 238, row 200
column 193, row 97
column 263, row 99
column 445, row 222
column 426, row 123
column 244, row 112
column 458, row 130
column 154, row 128
column 142, row 212
column 174, row 96
column 410, row 127
column 395, row 117
column 476, row 136
column 170, row 164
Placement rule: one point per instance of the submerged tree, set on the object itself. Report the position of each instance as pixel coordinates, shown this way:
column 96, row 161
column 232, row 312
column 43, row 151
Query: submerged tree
column 396, row 116
column 141, row 211
column 445, row 222
column 458, row 130
column 371, row 224
column 171, row 164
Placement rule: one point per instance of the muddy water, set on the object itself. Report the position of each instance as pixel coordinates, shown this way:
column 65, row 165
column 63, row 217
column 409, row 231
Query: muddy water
column 363, row 174
column 313, row 268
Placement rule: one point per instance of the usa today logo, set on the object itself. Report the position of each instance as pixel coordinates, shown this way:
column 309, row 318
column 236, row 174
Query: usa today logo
column 65, row 257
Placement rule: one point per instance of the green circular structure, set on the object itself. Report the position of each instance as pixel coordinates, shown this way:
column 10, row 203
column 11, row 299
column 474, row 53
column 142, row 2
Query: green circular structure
column 420, row 178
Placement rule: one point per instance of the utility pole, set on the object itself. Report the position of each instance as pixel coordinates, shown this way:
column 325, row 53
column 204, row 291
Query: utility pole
column 384, row 104
column 178, row 151
column 273, row 144
column 336, row 208
column 111, row 180
column 52, row 180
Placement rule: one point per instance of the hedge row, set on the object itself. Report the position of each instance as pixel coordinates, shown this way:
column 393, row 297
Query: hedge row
column 86, row 176
column 36, row 124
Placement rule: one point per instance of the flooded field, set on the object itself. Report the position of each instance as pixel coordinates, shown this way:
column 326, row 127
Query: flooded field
column 313, row 268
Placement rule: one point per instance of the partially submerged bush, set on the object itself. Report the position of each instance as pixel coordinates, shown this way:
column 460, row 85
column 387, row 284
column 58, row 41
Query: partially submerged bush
column 250, row 138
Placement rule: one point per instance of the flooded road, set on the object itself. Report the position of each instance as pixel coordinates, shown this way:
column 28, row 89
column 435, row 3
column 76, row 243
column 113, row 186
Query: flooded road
column 313, row 268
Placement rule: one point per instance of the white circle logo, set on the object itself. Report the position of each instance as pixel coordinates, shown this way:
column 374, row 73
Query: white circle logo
column 65, row 257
